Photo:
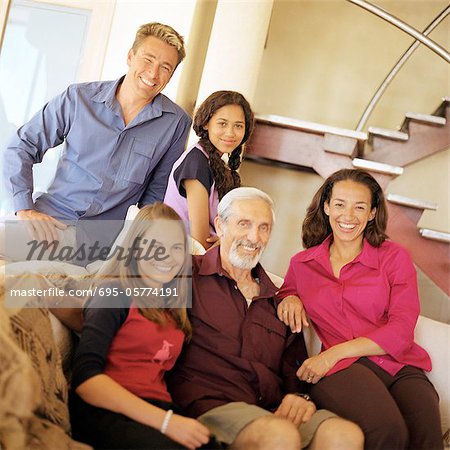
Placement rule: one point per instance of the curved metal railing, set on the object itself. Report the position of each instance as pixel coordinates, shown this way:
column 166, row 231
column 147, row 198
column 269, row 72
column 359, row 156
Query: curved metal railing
column 398, row 65
column 421, row 38
column 380, row 12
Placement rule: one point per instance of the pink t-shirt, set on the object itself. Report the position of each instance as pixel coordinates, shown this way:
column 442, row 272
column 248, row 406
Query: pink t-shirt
column 375, row 296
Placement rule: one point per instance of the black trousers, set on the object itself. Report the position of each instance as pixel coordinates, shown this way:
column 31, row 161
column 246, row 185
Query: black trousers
column 395, row 412
column 104, row 429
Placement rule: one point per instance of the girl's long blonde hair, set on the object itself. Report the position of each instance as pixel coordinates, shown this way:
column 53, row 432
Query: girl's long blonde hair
column 126, row 270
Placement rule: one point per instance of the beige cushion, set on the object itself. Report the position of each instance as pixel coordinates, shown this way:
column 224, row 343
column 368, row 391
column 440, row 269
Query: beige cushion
column 434, row 337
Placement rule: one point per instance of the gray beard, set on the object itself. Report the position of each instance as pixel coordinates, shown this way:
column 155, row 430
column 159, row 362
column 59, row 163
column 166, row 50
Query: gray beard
column 243, row 262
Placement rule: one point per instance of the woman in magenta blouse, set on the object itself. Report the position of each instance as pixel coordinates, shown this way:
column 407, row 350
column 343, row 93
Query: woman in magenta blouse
column 360, row 292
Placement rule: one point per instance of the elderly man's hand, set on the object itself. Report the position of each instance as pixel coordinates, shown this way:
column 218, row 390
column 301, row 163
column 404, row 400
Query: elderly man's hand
column 295, row 409
column 41, row 227
column 292, row 313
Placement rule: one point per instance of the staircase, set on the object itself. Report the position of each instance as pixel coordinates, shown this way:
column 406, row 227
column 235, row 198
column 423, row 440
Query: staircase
column 383, row 153
column 429, row 250
column 420, row 135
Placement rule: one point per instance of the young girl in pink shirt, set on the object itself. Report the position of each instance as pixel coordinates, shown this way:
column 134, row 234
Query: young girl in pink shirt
column 360, row 292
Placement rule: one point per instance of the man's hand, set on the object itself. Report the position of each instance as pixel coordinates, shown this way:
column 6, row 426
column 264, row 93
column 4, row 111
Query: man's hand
column 315, row 368
column 292, row 313
column 41, row 227
column 295, row 409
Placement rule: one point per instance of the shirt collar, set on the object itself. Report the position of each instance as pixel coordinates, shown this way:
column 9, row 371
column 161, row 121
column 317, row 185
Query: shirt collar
column 159, row 104
column 368, row 255
column 211, row 264
column 107, row 94
column 317, row 252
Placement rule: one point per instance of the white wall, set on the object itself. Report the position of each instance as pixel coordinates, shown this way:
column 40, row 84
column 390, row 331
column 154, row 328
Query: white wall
column 324, row 60
column 128, row 16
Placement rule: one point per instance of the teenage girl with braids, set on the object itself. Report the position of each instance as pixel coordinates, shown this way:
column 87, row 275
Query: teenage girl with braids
column 200, row 178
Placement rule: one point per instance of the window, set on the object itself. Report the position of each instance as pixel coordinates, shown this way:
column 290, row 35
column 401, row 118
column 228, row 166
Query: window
column 39, row 58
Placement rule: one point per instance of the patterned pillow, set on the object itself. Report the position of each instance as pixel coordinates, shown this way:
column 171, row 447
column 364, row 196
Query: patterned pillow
column 33, row 390
column 31, row 329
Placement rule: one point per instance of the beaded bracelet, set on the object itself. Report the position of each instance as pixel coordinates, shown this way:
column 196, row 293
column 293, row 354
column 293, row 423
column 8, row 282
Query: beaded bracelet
column 166, row 420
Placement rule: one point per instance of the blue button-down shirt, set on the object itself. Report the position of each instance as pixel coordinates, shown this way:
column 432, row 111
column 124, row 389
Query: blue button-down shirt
column 105, row 165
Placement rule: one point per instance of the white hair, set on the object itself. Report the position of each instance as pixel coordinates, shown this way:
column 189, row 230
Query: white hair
column 241, row 193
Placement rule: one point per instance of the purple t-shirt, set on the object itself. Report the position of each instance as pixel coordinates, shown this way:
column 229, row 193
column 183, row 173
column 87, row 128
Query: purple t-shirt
column 192, row 165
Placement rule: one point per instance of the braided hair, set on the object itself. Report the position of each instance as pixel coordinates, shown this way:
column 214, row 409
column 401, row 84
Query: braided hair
column 225, row 180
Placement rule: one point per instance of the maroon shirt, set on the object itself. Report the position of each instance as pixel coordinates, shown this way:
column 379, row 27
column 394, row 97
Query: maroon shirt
column 237, row 353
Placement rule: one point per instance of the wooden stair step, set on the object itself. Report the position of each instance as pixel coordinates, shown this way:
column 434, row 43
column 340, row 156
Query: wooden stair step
column 309, row 126
column 420, row 135
column 440, row 236
column 341, row 145
column 377, row 167
column 428, row 119
column 441, row 109
column 430, row 256
column 389, row 134
column 411, row 202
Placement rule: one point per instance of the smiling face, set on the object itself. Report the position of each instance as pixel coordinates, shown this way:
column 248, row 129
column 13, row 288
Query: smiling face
column 151, row 66
column 246, row 233
column 349, row 210
column 226, row 128
column 164, row 261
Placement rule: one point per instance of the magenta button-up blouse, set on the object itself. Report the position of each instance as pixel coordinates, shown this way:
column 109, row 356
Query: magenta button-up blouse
column 375, row 296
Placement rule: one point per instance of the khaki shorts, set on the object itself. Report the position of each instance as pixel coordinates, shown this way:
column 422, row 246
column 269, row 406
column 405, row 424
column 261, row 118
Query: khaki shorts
column 225, row 422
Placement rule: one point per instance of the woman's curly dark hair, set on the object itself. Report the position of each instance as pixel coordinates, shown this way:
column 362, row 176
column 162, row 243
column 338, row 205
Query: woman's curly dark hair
column 224, row 180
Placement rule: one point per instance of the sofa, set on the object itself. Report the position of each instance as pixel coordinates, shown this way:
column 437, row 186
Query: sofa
column 432, row 335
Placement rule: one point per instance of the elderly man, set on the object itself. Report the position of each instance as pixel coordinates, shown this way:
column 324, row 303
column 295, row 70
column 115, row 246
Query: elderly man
column 121, row 139
column 239, row 368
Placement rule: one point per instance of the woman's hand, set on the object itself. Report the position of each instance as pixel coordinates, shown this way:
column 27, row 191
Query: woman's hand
column 213, row 241
column 315, row 368
column 187, row 432
column 292, row 313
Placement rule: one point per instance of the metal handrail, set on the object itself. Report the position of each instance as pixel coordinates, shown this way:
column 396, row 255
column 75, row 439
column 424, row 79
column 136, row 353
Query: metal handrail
column 400, row 63
column 388, row 17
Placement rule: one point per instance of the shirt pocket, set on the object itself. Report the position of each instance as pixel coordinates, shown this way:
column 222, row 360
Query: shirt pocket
column 139, row 160
column 269, row 341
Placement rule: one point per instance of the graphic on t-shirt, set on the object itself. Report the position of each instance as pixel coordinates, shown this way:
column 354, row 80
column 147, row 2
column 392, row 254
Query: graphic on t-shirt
column 163, row 354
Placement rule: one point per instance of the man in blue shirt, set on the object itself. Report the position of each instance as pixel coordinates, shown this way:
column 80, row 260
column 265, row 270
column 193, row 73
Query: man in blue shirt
column 121, row 139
